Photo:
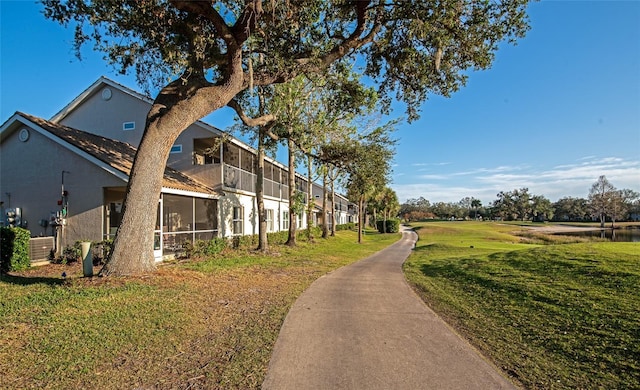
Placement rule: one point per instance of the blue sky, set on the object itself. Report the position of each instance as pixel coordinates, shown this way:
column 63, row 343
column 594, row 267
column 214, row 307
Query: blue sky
column 553, row 113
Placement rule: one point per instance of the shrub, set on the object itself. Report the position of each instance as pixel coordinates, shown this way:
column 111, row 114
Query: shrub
column 277, row 238
column 245, row 242
column 393, row 226
column 202, row 248
column 303, row 234
column 14, row 249
column 100, row 251
column 70, row 254
column 346, row 226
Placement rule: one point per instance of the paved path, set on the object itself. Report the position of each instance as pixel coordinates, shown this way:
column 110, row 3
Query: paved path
column 362, row 327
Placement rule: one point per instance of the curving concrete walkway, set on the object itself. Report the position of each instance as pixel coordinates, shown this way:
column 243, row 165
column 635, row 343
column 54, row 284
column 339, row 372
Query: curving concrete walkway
column 362, row 327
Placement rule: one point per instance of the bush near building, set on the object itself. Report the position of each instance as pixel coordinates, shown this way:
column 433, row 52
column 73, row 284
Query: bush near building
column 14, row 249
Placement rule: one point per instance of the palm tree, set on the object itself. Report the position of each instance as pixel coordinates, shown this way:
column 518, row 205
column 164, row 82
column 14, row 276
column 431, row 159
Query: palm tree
column 476, row 204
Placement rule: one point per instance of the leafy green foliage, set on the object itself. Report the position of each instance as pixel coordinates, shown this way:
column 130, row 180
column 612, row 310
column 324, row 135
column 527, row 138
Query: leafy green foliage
column 201, row 248
column 202, row 55
column 392, row 225
column 346, row 226
column 70, row 254
column 420, row 47
column 14, row 249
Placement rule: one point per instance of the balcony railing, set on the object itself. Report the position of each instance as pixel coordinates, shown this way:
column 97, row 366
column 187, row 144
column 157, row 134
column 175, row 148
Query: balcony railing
column 245, row 181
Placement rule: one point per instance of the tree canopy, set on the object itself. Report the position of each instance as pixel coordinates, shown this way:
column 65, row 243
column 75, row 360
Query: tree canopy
column 201, row 54
column 410, row 48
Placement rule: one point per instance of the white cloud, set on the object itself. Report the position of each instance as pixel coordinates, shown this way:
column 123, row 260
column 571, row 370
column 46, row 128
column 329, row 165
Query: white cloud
column 430, row 164
column 433, row 177
column 555, row 182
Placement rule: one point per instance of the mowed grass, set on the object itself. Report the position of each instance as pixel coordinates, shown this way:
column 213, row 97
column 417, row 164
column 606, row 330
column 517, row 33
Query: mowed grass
column 205, row 324
column 560, row 316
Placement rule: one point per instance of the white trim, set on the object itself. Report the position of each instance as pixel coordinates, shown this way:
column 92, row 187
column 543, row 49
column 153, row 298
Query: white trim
column 194, row 194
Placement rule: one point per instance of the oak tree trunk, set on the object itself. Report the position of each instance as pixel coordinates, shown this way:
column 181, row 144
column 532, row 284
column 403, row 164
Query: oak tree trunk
column 325, row 206
column 310, row 200
column 177, row 106
column 133, row 245
column 263, row 244
column 333, row 207
column 293, row 218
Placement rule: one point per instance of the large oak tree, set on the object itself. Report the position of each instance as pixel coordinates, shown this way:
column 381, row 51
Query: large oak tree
column 209, row 50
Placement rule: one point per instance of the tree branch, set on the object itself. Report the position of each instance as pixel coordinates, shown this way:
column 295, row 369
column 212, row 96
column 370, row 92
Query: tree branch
column 355, row 40
column 205, row 9
column 305, row 64
column 251, row 122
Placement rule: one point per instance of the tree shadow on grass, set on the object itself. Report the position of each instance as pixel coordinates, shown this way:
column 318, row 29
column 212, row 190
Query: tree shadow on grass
column 27, row 281
column 471, row 272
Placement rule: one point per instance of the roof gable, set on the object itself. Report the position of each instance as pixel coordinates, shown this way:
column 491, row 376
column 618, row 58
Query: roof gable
column 103, row 81
column 112, row 155
column 90, row 91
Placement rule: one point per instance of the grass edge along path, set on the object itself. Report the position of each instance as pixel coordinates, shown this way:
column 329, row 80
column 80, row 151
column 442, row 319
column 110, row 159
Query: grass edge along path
column 559, row 316
column 205, row 324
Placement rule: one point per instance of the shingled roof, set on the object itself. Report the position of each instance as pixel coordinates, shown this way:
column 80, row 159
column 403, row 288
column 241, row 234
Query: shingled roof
column 117, row 154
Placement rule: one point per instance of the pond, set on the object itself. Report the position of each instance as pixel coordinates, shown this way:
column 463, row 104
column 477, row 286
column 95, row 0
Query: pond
column 616, row 235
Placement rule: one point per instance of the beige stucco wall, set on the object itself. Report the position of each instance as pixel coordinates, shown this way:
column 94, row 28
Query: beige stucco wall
column 106, row 117
column 31, row 172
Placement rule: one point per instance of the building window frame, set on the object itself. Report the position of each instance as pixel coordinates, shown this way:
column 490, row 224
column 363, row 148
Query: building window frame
column 237, row 223
column 285, row 220
column 270, row 213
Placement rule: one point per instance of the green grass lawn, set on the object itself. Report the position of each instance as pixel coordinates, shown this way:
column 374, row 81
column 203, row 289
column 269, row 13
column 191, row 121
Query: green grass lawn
column 208, row 324
column 560, row 316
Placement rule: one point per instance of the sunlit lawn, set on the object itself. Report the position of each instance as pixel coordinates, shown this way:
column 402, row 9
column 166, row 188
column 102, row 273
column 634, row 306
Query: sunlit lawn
column 199, row 324
column 554, row 316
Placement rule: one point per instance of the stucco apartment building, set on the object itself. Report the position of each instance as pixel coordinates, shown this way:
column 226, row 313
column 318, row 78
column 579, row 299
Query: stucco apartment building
column 67, row 176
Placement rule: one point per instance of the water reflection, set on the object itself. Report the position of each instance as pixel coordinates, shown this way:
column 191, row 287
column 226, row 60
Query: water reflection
column 616, row 235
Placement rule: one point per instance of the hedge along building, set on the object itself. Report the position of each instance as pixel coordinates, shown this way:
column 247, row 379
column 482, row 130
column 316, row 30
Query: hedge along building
column 73, row 169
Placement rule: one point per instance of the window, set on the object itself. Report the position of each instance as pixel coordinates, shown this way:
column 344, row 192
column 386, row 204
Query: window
column 237, row 221
column 176, row 148
column 268, row 171
column 206, row 214
column 247, row 161
column 185, row 219
column 285, row 220
column 270, row 225
column 177, row 219
column 129, row 126
column 231, row 155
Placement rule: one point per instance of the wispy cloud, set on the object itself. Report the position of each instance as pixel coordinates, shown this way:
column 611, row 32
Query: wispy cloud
column 573, row 179
column 478, row 171
column 433, row 177
column 438, row 164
